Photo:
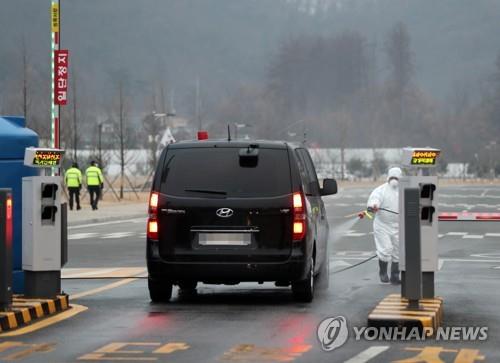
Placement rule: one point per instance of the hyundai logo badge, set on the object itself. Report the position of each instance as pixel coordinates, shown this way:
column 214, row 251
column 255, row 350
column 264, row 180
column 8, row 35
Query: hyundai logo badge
column 224, row 212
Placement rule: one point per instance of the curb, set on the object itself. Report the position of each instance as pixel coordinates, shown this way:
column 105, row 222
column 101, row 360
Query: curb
column 106, row 219
column 393, row 312
column 25, row 311
column 465, row 216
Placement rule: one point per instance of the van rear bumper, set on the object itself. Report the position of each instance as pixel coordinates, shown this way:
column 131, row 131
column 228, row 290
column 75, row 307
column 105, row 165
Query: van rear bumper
column 293, row 269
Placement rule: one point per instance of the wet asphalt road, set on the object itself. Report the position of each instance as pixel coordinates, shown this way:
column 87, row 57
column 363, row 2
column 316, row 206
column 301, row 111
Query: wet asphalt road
column 262, row 323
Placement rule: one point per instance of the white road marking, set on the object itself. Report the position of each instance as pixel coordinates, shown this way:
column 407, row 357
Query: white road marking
column 469, row 260
column 456, row 233
column 486, row 205
column 484, row 192
column 82, row 235
column 487, row 255
column 440, row 235
column 135, row 220
column 455, row 196
column 361, row 254
column 444, row 259
column 447, row 205
column 473, row 236
column 440, row 264
column 103, row 273
column 117, row 235
column 492, row 234
column 368, row 354
column 75, row 272
column 338, row 263
column 77, row 236
column 354, row 234
column 348, row 204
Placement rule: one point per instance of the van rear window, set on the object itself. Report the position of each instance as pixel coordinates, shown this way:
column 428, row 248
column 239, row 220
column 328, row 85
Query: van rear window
column 218, row 173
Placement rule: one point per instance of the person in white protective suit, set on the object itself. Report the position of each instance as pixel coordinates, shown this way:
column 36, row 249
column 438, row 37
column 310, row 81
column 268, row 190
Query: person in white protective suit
column 384, row 202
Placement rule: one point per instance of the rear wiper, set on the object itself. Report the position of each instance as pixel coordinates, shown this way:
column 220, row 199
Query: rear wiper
column 220, row 192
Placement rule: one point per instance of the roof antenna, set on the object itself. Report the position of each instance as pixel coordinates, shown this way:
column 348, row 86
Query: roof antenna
column 228, row 133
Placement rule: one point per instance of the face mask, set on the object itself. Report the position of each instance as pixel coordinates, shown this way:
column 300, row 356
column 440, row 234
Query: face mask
column 393, row 183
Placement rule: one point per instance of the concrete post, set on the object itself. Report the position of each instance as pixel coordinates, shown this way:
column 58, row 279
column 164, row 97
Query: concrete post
column 64, row 234
column 413, row 253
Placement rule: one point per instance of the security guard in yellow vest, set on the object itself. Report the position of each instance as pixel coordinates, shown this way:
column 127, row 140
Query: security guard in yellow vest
column 94, row 180
column 73, row 180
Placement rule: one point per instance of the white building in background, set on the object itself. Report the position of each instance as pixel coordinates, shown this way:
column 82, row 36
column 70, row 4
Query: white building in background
column 328, row 161
column 458, row 170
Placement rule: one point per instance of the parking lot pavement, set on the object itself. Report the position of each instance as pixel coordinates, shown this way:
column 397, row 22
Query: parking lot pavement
column 262, row 323
column 107, row 212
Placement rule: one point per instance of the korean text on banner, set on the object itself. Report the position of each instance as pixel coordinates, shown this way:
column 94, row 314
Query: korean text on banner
column 61, row 69
column 54, row 15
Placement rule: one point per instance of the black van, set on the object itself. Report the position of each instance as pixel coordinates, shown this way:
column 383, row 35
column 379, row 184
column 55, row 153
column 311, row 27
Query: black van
column 223, row 212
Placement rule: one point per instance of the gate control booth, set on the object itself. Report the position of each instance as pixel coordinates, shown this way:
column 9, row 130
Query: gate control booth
column 416, row 306
column 418, row 164
column 43, row 236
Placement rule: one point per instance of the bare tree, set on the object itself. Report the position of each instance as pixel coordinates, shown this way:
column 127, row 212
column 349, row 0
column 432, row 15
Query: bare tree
column 401, row 68
column 122, row 130
column 342, row 121
column 314, row 76
column 75, row 123
column 152, row 129
column 25, row 79
column 121, row 117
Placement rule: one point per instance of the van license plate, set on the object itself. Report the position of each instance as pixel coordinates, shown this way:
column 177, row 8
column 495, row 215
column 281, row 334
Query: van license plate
column 224, row 239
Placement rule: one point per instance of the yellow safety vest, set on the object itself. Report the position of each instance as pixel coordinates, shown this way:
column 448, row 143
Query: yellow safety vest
column 93, row 176
column 73, row 178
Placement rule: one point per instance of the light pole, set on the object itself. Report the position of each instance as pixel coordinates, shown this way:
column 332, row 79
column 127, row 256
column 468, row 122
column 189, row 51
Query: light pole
column 239, row 126
column 491, row 147
column 99, row 145
column 293, row 134
column 154, row 140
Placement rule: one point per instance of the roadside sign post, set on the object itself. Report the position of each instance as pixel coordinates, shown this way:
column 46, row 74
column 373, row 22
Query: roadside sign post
column 6, row 229
column 59, row 76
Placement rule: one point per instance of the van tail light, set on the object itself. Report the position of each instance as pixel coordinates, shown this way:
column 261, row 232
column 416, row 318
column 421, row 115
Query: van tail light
column 8, row 214
column 299, row 227
column 152, row 227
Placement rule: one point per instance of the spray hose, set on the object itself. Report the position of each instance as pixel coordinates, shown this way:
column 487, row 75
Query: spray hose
column 355, row 265
column 369, row 212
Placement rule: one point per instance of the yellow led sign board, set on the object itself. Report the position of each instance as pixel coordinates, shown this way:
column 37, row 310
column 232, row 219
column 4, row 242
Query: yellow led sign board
column 43, row 158
column 420, row 157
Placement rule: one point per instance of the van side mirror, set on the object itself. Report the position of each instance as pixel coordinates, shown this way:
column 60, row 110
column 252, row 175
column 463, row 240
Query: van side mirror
column 329, row 187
